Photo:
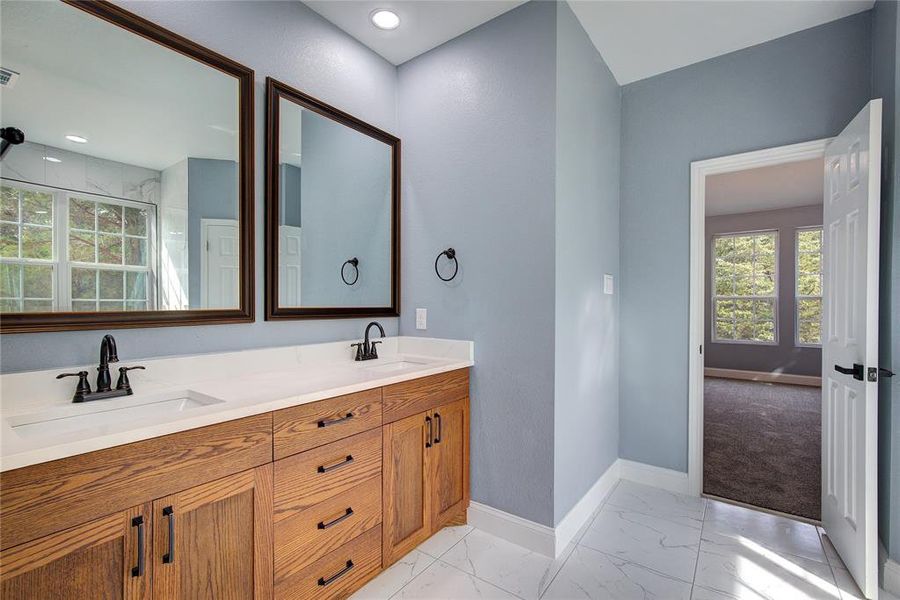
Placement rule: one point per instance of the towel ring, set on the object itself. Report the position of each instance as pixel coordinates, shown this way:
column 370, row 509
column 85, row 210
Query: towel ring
column 450, row 253
column 353, row 262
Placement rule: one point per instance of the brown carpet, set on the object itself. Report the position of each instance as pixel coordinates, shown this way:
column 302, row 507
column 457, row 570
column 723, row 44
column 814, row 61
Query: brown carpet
column 762, row 444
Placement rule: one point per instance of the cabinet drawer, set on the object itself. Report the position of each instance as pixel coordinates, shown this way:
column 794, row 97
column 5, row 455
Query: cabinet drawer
column 307, row 426
column 337, row 574
column 305, row 536
column 305, row 479
column 419, row 395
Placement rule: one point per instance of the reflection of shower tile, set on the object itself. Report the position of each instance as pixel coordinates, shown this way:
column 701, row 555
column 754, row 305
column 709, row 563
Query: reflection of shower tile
column 69, row 173
column 103, row 176
column 141, row 184
column 24, row 162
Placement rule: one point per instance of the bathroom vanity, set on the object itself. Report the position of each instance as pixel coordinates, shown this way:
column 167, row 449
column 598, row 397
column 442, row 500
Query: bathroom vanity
column 299, row 480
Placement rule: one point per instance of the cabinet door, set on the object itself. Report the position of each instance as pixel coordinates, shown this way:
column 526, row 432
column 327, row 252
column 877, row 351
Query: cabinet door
column 215, row 540
column 407, row 517
column 104, row 558
column 449, row 480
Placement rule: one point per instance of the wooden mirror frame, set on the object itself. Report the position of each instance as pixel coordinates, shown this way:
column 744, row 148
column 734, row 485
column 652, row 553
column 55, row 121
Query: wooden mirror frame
column 67, row 321
column 275, row 91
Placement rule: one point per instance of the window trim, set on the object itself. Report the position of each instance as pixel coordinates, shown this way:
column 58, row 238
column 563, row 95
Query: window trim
column 797, row 296
column 775, row 297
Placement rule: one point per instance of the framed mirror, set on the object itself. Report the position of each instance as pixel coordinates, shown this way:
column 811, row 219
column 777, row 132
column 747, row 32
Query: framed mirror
column 126, row 181
column 332, row 211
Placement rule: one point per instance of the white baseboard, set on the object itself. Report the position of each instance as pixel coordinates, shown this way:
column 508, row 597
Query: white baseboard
column 890, row 572
column 575, row 519
column 808, row 380
column 667, row 479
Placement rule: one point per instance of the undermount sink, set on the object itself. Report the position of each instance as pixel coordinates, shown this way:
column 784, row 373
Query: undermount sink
column 398, row 365
column 73, row 417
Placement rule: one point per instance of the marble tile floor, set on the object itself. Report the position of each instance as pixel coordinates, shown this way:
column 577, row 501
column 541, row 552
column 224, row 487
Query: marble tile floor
column 642, row 543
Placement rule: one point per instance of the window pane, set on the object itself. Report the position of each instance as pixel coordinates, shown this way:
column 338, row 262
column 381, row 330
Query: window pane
column 111, row 285
column 765, row 263
column 84, row 284
column 106, row 306
column 810, row 332
column 37, row 242
column 9, row 241
column 765, row 285
column 765, row 244
column 37, row 208
column 743, row 247
column 135, row 251
column 745, row 330
column 10, row 286
column 724, row 285
column 132, row 305
column 82, row 246
column 809, row 285
column 81, row 214
column 810, row 310
column 809, row 240
column 765, row 332
column 724, row 250
column 10, row 306
column 724, row 330
column 109, row 218
column 84, row 306
column 135, row 221
column 743, row 285
column 136, row 286
column 810, row 263
column 38, row 281
column 724, row 309
column 37, row 305
column 109, row 249
column 9, row 204
column 764, row 310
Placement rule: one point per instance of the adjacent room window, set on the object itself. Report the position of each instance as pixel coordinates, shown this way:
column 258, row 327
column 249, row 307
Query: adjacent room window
column 62, row 251
column 744, row 286
column 808, row 286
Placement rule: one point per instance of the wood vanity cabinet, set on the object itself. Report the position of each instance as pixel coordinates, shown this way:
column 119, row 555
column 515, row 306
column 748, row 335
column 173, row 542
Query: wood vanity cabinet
column 426, row 464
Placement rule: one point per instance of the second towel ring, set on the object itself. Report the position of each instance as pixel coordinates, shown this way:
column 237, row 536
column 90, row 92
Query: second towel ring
column 450, row 253
column 353, row 262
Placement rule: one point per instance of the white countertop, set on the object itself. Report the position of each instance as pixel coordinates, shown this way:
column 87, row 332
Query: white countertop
column 39, row 422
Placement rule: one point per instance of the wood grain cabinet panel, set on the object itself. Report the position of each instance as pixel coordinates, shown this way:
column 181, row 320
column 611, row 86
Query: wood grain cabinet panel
column 310, row 425
column 215, row 540
column 449, row 479
column 405, row 399
column 49, row 497
column 337, row 574
column 305, row 479
column 304, row 536
column 104, row 558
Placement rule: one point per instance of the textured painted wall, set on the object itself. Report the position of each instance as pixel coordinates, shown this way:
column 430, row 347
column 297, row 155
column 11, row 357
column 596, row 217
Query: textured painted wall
column 586, row 406
column 292, row 43
column 786, row 357
column 800, row 87
column 478, row 129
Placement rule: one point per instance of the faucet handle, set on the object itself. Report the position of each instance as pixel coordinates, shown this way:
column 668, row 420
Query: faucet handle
column 373, row 351
column 123, row 383
column 359, row 351
column 82, row 389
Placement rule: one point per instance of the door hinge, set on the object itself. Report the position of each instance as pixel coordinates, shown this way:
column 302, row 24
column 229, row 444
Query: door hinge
column 874, row 372
column 701, row 348
column 207, row 245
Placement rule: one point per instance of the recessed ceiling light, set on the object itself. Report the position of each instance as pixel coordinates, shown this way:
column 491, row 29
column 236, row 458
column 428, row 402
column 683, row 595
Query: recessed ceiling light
column 52, row 159
column 385, row 19
column 77, row 139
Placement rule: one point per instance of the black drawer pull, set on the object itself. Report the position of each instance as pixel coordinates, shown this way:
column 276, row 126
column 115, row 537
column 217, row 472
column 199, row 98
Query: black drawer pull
column 169, row 557
column 338, row 575
column 346, row 515
column 324, row 423
column 437, row 417
column 138, row 571
column 343, row 463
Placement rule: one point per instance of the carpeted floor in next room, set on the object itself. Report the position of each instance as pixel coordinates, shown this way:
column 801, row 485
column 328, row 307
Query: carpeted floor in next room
column 762, row 444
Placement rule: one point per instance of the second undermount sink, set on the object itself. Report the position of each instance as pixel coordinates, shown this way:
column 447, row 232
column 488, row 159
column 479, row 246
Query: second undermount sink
column 99, row 413
column 397, row 365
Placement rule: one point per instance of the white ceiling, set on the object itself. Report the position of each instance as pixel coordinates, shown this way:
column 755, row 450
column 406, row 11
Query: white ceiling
column 766, row 188
column 424, row 24
column 135, row 101
column 638, row 39
column 641, row 39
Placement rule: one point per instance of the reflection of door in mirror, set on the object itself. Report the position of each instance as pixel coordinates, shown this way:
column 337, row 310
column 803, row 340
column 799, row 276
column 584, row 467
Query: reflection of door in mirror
column 288, row 265
column 219, row 263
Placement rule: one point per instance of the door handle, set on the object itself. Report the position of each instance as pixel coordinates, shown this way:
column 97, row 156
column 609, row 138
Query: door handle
column 169, row 557
column 138, row 570
column 437, row 438
column 430, row 433
column 857, row 371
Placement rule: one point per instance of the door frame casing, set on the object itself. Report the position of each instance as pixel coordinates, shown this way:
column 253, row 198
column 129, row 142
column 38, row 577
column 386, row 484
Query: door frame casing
column 700, row 170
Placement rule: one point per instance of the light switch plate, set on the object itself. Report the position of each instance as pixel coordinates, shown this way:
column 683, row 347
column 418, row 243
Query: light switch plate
column 608, row 286
column 421, row 318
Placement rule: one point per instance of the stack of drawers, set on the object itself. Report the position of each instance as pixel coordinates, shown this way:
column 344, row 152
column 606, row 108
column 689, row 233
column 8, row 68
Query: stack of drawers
column 327, row 496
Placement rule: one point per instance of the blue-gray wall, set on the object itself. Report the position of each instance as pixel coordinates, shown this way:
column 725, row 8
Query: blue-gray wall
column 477, row 119
column 292, row 43
column 786, row 356
column 212, row 194
column 586, row 406
column 801, row 87
column 346, row 212
column 886, row 85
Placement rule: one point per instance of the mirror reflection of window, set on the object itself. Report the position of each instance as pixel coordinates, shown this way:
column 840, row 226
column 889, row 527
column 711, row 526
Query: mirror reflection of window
column 117, row 198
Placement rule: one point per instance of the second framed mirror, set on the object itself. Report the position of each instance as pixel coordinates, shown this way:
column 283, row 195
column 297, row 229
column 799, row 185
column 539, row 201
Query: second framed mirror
column 332, row 211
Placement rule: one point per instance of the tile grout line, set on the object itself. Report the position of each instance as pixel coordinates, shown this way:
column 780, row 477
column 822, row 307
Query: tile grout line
column 434, row 559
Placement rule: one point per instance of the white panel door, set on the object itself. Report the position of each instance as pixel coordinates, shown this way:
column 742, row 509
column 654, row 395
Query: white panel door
column 221, row 263
column 288, row 265
column 850, row 343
